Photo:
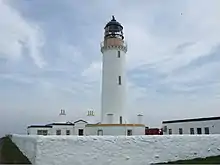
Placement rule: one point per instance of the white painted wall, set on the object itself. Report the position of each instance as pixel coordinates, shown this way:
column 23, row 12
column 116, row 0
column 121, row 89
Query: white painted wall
column 130, row 150
column 113, row 94
column 115, row 130
column 214, row 127
column 27, row 145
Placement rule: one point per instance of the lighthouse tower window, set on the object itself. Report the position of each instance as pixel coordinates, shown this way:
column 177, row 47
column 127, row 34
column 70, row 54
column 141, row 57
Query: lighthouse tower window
column 120, row 119
column 119, row 80
column 119, row 55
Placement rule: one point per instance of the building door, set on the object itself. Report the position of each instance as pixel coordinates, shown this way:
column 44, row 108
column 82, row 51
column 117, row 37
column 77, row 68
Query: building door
column 206, row 130
column 192, row 131
column 67, row 132
column 80, row 132
column 100, row 132
column 180, row 131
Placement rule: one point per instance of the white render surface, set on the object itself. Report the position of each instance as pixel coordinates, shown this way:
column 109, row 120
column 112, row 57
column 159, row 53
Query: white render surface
column 115, row 130
column 113, row 94
column 130, row 150
column 213, row 125
column 27, row 144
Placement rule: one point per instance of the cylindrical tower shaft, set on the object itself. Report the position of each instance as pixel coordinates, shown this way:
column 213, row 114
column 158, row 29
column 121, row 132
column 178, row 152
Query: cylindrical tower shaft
column 113, row 73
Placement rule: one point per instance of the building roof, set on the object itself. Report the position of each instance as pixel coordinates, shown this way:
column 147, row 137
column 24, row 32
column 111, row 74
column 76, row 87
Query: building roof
column 39, row 126
column 191, row 120
column 67, row 123
column 80, row 121
column 114, row 23
column 153, row 128
column 115, row 125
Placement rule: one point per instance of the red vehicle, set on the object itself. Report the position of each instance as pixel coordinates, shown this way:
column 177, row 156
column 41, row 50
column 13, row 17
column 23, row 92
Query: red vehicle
column 153, row 131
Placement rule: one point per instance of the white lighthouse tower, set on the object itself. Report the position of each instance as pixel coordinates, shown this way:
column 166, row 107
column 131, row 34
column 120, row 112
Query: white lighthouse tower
column 113, row 101
column 114, row 51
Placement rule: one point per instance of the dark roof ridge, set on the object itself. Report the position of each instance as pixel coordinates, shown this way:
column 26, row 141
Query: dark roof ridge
column 192, row 120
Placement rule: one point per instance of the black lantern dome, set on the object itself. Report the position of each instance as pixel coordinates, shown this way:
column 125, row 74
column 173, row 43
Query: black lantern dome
column 114, row 29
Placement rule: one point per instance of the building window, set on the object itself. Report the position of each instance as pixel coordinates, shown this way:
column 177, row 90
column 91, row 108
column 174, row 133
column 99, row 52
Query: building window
column 170, row 131
column 119, row 80
column 199, row 130
column 58, row 132
column 42, row 132
column 180, row 131
column 165, row 129
column 192, row 131
column 80, row 132
column 206, row 130
column 67, row 132
column 100, row 132
column 119, row 54
column 39, row 132
column 129, row 132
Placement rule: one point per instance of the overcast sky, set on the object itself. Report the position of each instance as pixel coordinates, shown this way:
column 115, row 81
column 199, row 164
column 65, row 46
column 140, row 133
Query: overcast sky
column 50, row 59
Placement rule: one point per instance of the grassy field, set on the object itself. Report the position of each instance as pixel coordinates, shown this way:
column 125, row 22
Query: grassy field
column 10, row 154
column 208, row 160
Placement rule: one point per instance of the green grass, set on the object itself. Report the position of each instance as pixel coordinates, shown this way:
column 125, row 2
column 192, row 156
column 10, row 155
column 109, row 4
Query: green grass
column 10, row 154
column 208, row 160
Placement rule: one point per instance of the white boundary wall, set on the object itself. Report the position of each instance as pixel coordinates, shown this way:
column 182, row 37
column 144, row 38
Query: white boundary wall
column 27, row 145
column 130, row 150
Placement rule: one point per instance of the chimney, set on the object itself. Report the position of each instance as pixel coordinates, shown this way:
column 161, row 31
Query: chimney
column 139, row 119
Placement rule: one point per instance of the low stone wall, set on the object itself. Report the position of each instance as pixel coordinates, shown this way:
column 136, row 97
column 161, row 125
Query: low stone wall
column 130, row 150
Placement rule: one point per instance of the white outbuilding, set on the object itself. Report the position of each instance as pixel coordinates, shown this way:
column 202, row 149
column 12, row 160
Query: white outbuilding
column 83, row 128
column 208, row 125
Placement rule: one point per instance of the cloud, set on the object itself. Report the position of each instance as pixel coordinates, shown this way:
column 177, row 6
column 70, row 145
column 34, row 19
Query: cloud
column 17, row 34
column 93, row 72
column 172, row 59
column 16, row 78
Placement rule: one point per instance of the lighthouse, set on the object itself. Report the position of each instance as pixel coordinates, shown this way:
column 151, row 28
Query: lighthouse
column 113, row 97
